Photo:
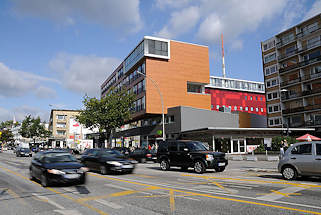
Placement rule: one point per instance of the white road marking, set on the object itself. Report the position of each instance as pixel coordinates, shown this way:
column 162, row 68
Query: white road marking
column 274, row 196
column 68, row 212
column 109, row 204
column 45, row 199
column 69, row 189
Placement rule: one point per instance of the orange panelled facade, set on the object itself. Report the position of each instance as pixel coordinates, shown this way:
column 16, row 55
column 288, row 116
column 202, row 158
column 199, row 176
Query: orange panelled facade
column 187, row 63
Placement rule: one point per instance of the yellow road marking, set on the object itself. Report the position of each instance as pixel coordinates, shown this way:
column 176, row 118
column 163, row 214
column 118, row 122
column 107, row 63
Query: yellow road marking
column 285, row 194
column 57, row 192
column 217, row 197
column 16, row 196
column 172, row 200
column 259, row 181
column 118, row 194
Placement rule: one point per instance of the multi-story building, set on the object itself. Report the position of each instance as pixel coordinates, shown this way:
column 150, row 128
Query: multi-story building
column 237, row 95
column 292, row 74
column 178, row 70
column 66, row 131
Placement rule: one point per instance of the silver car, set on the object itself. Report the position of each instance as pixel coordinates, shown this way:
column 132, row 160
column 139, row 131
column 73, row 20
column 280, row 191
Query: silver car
column 301, row 159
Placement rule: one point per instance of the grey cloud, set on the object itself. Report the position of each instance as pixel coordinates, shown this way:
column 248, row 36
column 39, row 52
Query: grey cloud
column 117, row 14
column 14, row 83
column 83, row 74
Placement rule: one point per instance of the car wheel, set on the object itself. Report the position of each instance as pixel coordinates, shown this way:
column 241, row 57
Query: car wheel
column 289, row 173
column 82, row 180
column 103, row 170
column 164, row 165
column 199, row 167
column 219, row 169
column 44, row 181
column 142, row 160
column 31, row 177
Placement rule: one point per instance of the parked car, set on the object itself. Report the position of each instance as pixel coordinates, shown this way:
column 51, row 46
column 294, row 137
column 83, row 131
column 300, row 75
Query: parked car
column 56, row 167
column 106, row 160
column 301, row 159
column 185, row 154
column 23, row 152
column 141, row 155
column 123, row 150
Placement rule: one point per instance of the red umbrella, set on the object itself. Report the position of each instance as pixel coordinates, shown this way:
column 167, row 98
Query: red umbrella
column 308, row 137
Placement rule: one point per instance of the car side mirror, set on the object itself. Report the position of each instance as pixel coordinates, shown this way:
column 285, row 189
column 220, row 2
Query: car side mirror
column 186, row 149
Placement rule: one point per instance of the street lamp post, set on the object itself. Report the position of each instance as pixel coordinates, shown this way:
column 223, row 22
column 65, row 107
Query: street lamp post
column 287, row 130
column 161, row 97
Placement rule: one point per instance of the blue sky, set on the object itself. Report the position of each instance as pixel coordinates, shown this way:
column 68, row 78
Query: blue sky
column 52, row 53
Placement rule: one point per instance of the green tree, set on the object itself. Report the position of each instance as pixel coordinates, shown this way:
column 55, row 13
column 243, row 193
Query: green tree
column 6, row 136
column 108, row 113
column 6, row 124
column 33, row 128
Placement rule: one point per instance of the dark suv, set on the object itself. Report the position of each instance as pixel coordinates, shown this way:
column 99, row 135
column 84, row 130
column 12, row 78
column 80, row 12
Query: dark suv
column 185, row 154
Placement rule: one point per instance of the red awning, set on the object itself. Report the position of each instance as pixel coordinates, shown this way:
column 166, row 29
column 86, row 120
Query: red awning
column 308, row 137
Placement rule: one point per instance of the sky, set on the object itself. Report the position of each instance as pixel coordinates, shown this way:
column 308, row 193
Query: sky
column 52, row 53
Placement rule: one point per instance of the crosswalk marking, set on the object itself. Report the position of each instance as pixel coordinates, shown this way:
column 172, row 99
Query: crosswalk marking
column 280, row 193
column 109, row 204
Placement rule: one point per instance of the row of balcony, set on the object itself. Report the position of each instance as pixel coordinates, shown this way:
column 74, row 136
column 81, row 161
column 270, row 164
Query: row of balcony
column 308, row 123
column 299, row 50
column 299, row 79
column 287, row 96
column 299, row 35
column 301, row 109
column 300, row 64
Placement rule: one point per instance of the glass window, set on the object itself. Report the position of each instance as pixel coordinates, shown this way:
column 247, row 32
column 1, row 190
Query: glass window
column 251, row 108
column 181, row 146
column 246, row 108
column 172, row 147
column 194, row 88
column 261, row 109
column 235, row 107
column 318, row 148
column 217, row 107
column 304, row 149
column 241, row 108
column 257, row 109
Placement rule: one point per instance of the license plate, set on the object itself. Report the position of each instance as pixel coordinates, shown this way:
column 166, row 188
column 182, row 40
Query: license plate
column 221, row 164
column 154, row 158
column 71, row 176
column 128, row 166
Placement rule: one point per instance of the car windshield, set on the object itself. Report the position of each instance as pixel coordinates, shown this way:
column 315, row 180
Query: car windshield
column 196, row 146
column 111, row 153
column 25, row 150
column 59, row 158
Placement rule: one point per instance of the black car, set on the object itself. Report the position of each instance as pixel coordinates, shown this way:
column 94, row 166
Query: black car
column 185, row 154
column 142, row 155
column 106, row 160
column 23, row 152
column 57, row 167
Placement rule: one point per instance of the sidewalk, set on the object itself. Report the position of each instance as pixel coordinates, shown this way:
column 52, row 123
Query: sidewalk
column 250, row 157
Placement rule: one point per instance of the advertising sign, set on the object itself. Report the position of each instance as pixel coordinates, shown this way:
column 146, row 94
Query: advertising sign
column 74, row 126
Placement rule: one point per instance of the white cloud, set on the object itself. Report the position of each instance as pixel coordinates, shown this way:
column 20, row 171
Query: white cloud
column 294, row 10
column 315, row 9
column 83, row 74
column 237, row 44
column 233, row 18
column 181, row 22
column 16, row 83
column 162, row 4
column 45, row 92
column 21, row 112
column 116, row 14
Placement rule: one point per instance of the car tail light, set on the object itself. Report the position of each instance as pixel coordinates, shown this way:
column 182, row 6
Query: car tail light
column 148, row 155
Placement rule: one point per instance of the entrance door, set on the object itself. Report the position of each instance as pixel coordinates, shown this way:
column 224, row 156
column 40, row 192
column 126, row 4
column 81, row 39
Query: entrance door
column 238, row 146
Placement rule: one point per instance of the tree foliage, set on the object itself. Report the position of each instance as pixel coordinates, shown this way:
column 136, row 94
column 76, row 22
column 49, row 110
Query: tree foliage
column 6, row 136
column 33, row 128
column 109, row 112
column 8, row 124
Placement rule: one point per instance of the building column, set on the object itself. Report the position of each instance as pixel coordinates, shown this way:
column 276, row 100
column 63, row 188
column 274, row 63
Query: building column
column 213, row 143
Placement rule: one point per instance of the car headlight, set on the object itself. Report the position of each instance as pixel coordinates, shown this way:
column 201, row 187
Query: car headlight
column 115, row 163
column 209, row 157
column 56, row 172
column 83, row 170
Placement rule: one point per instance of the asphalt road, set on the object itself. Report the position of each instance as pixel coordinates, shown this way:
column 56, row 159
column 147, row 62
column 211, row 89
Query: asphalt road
column 243, row 188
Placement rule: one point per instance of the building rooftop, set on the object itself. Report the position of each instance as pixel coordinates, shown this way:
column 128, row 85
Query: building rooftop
column 236, row 84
